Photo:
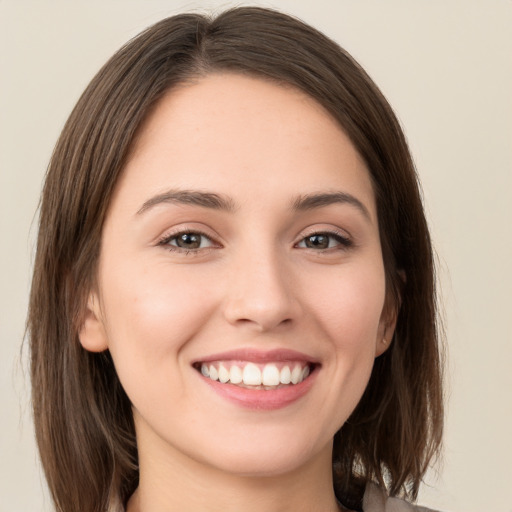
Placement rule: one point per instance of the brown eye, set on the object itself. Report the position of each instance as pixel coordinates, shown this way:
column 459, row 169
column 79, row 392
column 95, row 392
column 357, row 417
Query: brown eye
column 187, row 241
column 324, row 241
column 317, row 242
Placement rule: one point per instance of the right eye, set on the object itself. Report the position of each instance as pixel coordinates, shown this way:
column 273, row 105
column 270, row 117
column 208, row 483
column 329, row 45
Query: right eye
column 187, row 241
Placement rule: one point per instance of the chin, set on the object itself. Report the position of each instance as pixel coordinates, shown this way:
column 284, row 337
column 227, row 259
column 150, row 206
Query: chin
column 258, row 458
column 261, row 467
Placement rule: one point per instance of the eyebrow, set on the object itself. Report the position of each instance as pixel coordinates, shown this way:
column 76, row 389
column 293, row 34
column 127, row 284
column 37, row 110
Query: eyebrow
column 221, row 202
column 193, row 197
column 319, row 200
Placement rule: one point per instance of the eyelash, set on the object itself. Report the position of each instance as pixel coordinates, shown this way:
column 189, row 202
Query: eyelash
column 166, row 242
column 342, row 241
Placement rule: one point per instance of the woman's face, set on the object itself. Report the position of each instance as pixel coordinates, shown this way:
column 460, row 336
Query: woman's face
column 240, row 253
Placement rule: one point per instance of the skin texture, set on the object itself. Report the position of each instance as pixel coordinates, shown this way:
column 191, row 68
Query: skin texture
column 253, row 283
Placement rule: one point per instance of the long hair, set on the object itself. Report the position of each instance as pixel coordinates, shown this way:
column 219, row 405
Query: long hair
column 83, row 418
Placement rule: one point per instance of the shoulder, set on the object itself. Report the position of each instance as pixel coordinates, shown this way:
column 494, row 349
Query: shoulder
column 375, row 500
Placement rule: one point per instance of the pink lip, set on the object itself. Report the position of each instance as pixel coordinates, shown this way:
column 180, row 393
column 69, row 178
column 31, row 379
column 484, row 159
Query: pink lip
column 258, row 356
column 261, row 399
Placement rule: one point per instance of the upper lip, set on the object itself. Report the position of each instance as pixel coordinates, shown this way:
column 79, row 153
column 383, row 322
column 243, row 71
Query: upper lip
column 258, row 356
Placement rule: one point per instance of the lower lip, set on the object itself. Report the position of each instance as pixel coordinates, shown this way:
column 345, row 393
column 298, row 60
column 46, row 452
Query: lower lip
column 262, row 399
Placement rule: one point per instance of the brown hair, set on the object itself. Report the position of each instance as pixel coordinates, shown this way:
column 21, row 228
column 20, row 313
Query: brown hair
column 83, row 418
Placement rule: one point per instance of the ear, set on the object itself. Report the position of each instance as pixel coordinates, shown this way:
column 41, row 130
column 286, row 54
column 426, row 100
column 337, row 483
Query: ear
column 387, row 325
column 92, row 334
column 385, row 334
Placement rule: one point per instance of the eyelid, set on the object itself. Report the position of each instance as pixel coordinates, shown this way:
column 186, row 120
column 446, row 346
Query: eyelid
column 345, row 239
column 173, row 233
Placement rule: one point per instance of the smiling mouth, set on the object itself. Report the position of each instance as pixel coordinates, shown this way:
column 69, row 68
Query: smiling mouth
column 246, row 374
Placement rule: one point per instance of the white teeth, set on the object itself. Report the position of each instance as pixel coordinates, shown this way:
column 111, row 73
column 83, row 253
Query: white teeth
column 223, row 374
column 286, row 375
column 235, row 375
column 296, row 374
column 214, row 374
column 252, row 375
column 270, row 375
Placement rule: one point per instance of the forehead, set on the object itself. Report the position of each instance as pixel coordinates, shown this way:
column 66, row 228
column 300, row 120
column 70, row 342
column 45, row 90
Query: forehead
column 226, row 129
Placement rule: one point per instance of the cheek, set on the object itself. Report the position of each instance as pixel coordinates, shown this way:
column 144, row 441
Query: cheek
column 151, row 314
column 350, row 306
column 347, row 306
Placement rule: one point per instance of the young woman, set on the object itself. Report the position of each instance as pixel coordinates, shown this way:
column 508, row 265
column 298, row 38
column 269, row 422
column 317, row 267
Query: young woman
column 233, row 302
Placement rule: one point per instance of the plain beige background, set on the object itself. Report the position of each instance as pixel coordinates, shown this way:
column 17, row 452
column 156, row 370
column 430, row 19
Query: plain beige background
column 445, row 66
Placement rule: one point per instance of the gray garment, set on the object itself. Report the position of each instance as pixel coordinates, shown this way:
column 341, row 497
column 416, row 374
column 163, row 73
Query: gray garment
column 375, row 500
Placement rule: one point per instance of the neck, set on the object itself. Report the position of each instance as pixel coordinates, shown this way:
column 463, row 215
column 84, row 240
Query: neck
column 174, row 482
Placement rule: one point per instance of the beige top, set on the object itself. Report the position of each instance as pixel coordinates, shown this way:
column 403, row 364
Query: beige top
column 375, row 500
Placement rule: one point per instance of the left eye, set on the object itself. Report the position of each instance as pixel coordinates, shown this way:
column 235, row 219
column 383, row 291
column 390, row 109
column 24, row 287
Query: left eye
column 188, row 240
column 323, row 241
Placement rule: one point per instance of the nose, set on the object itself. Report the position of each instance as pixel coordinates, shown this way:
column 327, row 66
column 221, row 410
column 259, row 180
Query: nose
column 260, row 293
